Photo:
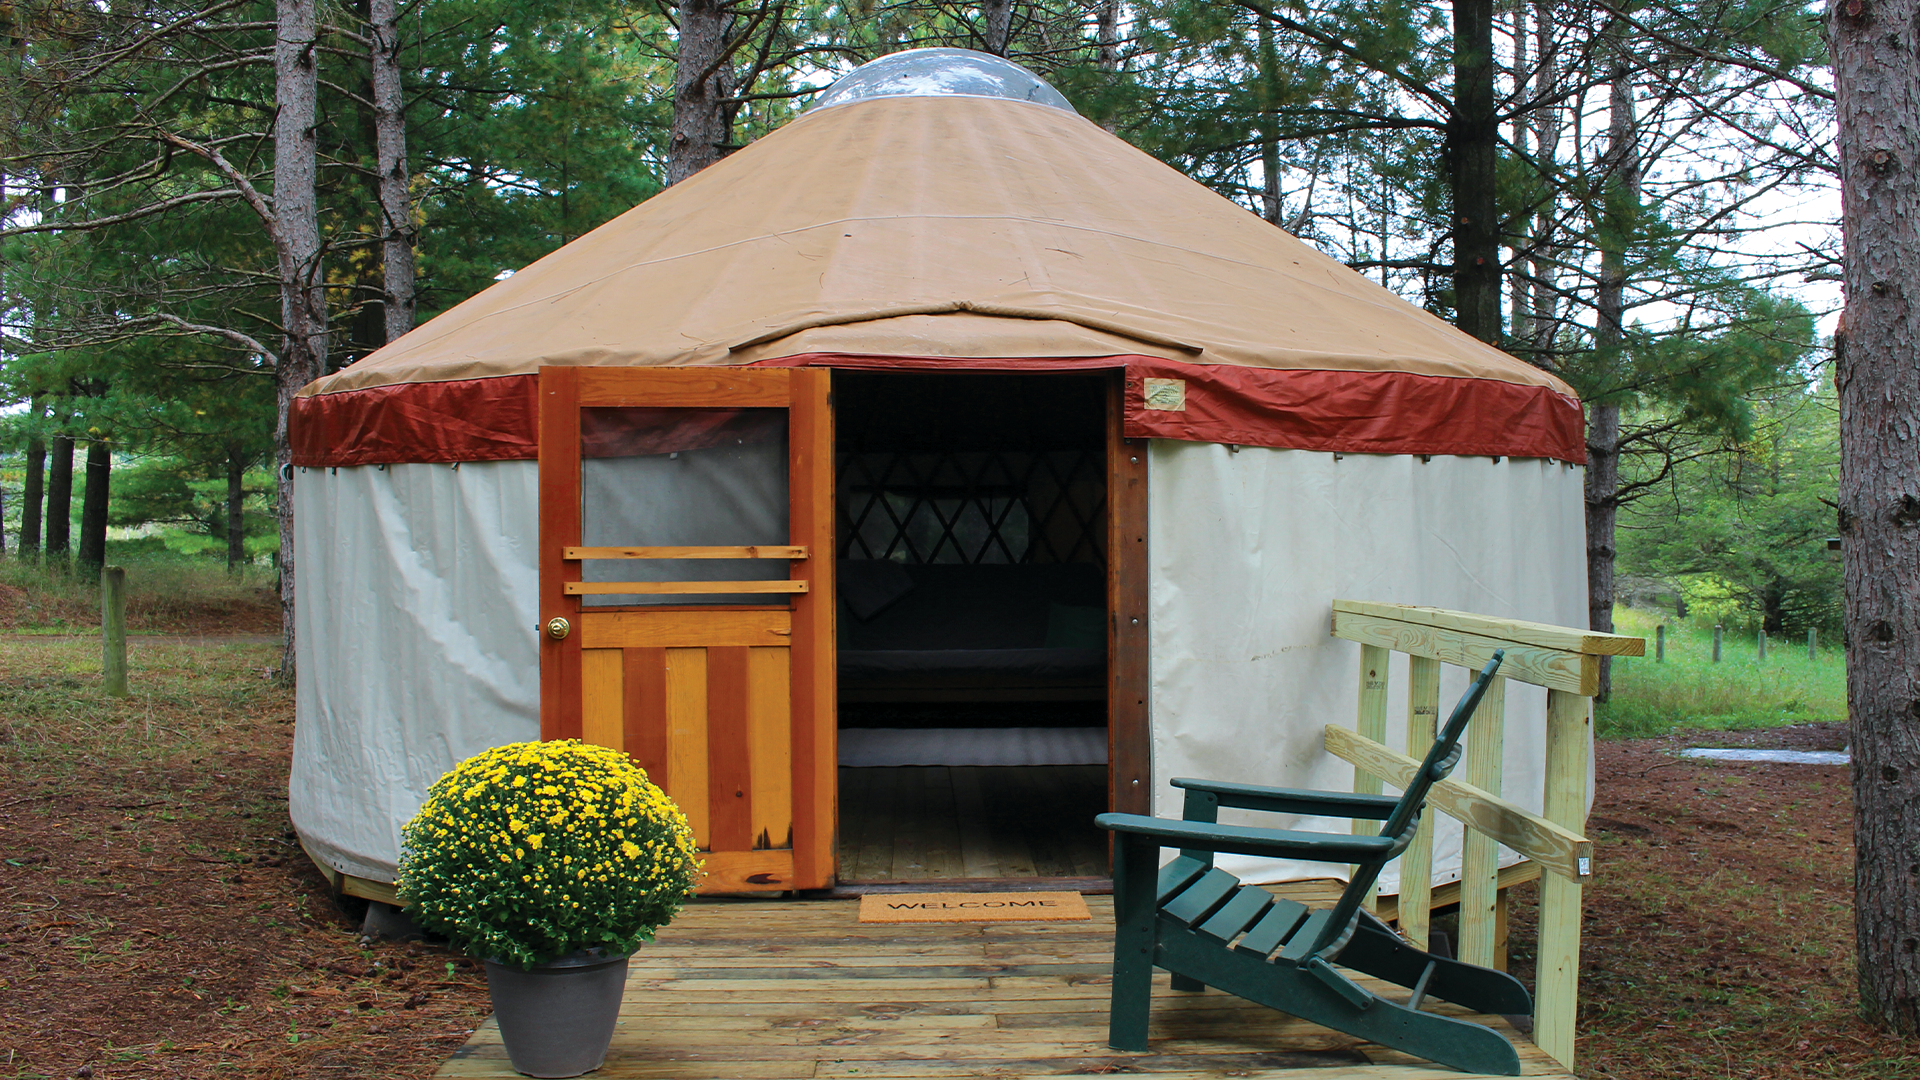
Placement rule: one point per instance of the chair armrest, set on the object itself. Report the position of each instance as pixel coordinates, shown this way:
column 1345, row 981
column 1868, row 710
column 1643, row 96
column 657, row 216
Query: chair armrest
column 1246, row 840
column 1294, row 800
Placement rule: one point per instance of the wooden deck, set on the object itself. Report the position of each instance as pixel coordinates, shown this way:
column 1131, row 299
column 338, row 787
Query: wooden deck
column 782, row 989
column 939, row 823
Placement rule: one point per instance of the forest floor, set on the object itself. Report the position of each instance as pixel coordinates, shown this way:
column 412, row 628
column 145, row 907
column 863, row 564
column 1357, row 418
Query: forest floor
column 159, row 919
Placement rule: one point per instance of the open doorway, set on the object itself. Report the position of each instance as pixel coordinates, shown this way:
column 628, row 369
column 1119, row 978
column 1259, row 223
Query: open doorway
column 972, row 532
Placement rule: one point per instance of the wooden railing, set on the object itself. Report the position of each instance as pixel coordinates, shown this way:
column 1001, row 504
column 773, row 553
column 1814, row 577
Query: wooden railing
column 1567, row 663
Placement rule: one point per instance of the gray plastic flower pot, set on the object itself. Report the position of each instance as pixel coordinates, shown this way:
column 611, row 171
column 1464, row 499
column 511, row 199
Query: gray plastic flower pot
column 557, row 1018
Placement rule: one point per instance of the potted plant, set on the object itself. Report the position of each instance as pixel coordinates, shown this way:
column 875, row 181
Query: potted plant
column 552, row 862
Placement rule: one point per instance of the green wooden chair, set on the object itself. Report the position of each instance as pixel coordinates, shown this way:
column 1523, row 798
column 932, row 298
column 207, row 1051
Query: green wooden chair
column 1200, row 923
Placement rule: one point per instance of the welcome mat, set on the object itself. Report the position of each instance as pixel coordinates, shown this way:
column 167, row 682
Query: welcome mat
column 973, row 907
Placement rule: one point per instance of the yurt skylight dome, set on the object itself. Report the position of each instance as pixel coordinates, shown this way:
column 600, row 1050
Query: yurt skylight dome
column 941, row 73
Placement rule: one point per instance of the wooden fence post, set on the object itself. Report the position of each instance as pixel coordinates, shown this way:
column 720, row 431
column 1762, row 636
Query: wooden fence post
column 1763, row 644
column 1813, row 637
column 113, row 629
column 1716, row 643
column 1660, row 644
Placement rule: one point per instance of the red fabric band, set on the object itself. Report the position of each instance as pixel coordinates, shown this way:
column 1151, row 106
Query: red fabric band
column 1360, row 412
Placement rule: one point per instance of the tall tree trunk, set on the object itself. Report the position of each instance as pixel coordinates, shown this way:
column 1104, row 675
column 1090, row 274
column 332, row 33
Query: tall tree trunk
column 32, row 492
column 1270, row 127
column 1543, row 313
column 236, row 507
column 60, row 498
column 702, row 82
column 1517, row 293
column 998, row 19
column 1876, row 68
column 390, row 141
column 1473, row 139
column 93, row 508
column 1619, row 206
column 1107, row 35
column 303, row 302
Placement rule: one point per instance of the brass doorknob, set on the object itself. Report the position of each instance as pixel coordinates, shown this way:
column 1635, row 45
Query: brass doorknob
column 558, row 628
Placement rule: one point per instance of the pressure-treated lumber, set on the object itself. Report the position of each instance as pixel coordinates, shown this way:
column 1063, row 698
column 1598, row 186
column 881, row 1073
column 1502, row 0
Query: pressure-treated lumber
column 1480, row 855
column 1416, row 865
column 1557, row 975
column 1558, row 849
column 1514, row 631
column 783, row 989
column 1556, row 668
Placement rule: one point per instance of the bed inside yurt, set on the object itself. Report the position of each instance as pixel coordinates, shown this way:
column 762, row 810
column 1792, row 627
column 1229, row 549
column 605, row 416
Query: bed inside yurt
column 905, row 489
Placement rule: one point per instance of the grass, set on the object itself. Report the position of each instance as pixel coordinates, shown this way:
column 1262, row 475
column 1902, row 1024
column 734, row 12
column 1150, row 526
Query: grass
column 187, row 702
column 1689, row 690
column 166, row 591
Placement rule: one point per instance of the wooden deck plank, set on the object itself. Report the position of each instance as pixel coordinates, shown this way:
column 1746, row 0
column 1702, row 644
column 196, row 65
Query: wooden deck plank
column 791, row 989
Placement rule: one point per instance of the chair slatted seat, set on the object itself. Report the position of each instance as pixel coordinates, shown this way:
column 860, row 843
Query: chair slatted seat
column 1209, row 929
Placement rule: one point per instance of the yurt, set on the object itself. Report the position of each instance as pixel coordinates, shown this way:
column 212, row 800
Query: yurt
column 917, row 482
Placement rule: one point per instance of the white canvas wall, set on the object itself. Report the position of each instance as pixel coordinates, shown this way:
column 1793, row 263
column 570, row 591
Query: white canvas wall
column 416, row 642
column 1248, row 550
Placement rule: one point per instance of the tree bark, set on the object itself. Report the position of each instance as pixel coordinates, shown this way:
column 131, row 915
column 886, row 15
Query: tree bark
column 1270, row 126
column 93, row 508
column 236, row 507
column 702, row 130
column 1543, row 313
column 1619, row 200
column 390, row 142
column 60, row 497
column 1473, row 142
column 1107, row 35
column 303, row 303
column 1876, row 67
column 998, row 28
column 31, row 494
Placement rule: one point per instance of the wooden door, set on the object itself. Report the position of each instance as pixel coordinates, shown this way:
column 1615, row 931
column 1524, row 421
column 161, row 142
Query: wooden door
column 686, row 545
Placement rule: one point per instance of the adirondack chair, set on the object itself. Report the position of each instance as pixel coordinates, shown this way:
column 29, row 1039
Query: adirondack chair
column 1200, row 923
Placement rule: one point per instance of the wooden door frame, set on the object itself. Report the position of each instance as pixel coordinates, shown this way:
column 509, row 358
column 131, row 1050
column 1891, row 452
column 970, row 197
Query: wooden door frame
column 1129, row 674
column 805, row 394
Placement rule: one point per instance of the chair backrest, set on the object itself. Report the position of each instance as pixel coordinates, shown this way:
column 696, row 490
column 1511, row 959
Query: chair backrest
column 1440, row 760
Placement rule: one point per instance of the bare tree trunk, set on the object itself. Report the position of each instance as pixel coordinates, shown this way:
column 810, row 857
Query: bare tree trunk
column 93, row 509
column 1270, row 127
column 1473, row 140
column 303, row 302
column 32, row 492
column 236, row 507
column 60, row 498
column 1619, row 199
column 1517, row 293
column 998, row 18
column 1875, row 72
column 1107, row 34
column 390, row 142
column 702, row 82
column 1544, row 311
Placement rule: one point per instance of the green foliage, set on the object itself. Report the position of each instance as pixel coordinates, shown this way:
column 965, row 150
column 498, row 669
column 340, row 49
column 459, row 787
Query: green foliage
column 1737, row 527
column 1741, row 692
column 530, row 852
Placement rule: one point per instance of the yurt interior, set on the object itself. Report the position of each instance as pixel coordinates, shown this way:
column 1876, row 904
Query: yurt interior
column 971, row 533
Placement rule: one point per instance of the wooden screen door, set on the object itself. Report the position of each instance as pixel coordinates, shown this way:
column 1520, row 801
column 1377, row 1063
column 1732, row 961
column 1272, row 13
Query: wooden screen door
column 687, row 603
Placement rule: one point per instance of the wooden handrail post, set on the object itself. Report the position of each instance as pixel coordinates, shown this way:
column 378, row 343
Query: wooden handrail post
column 1480, row 855
column 1416, row 865
column 113, row 629
column 1372, row 723
column 1557, row 977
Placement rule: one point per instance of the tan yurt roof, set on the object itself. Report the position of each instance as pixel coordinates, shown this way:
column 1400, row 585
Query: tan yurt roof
column 949, row 227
